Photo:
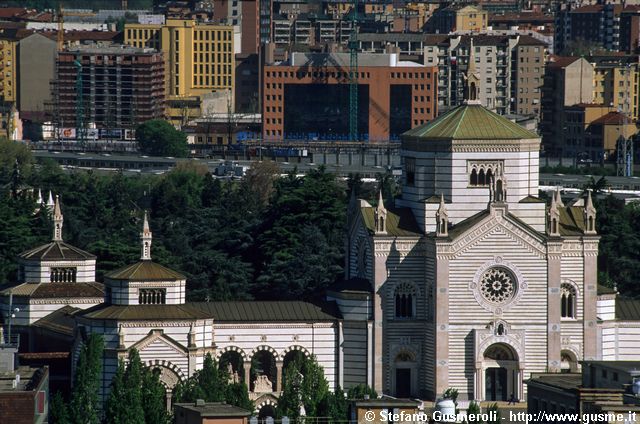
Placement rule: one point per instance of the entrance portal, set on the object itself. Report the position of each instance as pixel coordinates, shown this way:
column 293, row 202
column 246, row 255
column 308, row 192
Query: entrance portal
column 403, row 382
column 495, row 384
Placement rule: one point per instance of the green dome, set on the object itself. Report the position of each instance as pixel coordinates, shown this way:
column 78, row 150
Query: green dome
column 471, row 122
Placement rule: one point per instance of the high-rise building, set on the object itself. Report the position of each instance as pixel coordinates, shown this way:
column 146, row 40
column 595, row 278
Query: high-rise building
column 120, row 86
column 199, row 59
column 308, row 96
column 512, row 67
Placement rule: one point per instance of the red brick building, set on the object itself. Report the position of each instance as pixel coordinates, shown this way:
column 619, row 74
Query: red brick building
column 24, row 395
column 307, row 97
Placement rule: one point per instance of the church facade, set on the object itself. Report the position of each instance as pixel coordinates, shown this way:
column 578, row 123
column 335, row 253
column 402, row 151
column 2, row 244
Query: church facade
column 476, row 282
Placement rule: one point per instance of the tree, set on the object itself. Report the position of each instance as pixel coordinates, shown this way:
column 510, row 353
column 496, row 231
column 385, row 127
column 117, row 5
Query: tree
column 154, row 397
column 58, row 411
column 12, row 152
column 85, row 405
column 360, row 391
column 338, row 406
column 115, row 408
column 133, row 394
column 304, row 382
column 237, row 394
column 209, row 383
column 159, row 138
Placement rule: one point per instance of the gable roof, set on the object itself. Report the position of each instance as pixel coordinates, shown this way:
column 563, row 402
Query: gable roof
column 56, row 251
column 572, row 221
column 144, row 271
column 471, row 122
column 400, row 221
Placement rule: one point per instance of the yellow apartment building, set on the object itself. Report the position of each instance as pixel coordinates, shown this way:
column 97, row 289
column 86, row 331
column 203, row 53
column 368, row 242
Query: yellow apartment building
column 8, row 82
column 199, row 60
column 614, row 83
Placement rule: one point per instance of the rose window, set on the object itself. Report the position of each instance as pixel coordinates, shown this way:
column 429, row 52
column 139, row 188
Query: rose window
column 497, row 285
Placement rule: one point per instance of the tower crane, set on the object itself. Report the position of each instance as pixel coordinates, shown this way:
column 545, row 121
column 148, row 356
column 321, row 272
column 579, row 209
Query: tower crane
column 61, row 14
column 353, row 74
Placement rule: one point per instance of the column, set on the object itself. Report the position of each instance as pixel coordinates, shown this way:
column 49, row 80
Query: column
column 380, row 277
column 554, row 278
column 279, row 376
column 247, row 374
column 590, row 256
column 442, row 321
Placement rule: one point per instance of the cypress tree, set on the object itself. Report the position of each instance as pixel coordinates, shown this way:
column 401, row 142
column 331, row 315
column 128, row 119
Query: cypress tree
column 153, row 398
column 58, row 411
column 84, row 397
column 133, row 392
column 115, row 406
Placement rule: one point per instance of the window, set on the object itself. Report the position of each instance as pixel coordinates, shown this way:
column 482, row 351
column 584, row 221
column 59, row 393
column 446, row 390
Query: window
column 63, row 275
column 152, row 296
column 568, row 301
column 405, row 301
column 410, row 170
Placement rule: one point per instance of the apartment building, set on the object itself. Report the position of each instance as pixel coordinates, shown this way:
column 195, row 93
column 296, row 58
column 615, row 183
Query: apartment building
column 608, row 26
column 568, row 81
column 615, row 82
column 121, row 86
column 458, row 17
column 199, row 59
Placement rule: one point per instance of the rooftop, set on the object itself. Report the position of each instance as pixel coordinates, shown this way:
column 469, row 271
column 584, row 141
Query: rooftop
column 342, row 60
column 470, row 122
column 213, row 409
column 108, row 48
column 56, row 290
column 29, row 379
column 249, row 311
column 400, row 221
column 56, row 251
column 144, row 271
column 560, row 381
column 628, row 310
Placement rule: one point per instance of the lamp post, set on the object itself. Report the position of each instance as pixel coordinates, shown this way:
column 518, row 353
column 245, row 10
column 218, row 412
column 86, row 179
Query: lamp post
column 12, row 314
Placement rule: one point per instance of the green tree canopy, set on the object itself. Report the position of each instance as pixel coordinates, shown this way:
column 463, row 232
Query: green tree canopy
column 159, row 138
column 85, row 404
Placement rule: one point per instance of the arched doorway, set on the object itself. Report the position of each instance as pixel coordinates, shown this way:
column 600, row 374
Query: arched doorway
column 501, row 372
column 266, row 411
column 405, row 372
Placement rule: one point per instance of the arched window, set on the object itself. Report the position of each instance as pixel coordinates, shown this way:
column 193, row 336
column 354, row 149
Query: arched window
column 481, row 178
column 405, row 297
column 489, row 176
column 568, row 297
column 473, row 179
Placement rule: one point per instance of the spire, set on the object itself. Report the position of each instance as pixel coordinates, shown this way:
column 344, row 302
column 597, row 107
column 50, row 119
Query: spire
column 554, row 216
column 380, row 216
column 145, row 236
column 589, row 215
column 39, row 199
column 57, row 221
column 472, row 78
column 442, row 218
column 50, row 202
column 558, row 198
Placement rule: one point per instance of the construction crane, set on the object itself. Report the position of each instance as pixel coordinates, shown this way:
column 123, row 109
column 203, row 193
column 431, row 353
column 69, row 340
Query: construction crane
column 80, row 128
column 624, row 146
column 353, row 74
column 61, row 14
